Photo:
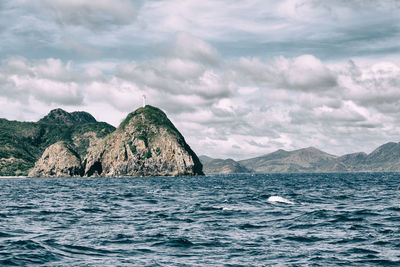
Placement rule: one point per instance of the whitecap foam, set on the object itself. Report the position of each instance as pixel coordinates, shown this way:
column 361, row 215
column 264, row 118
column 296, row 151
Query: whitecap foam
column 279, row 199
column 229, row 209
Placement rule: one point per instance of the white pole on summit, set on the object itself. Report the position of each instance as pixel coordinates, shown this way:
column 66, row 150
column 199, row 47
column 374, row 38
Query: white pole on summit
column 144, row 100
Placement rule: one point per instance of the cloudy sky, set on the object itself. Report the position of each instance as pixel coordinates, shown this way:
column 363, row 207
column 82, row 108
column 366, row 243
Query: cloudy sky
column 238, row 78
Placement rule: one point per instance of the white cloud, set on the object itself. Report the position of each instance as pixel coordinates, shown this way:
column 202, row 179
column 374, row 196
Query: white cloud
column 304, row 73
column 49, row 81
column 232, row 109
column 374, row 86
column 190, row 67
column 175, row 77
column 239, row 78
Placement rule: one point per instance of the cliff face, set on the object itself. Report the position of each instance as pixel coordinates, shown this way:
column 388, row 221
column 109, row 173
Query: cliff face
column 58, row 160
column 145, row 144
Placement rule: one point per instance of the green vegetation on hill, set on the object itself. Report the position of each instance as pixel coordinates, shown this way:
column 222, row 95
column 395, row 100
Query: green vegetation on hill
column 59, row 116
column 153, row 116
column 151, row 125
column 22, row 143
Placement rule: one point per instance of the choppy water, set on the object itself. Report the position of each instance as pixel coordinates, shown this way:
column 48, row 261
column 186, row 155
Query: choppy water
column 227, row 220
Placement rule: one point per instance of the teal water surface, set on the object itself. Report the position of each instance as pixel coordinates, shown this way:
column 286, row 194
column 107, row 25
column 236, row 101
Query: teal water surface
column 222, row 220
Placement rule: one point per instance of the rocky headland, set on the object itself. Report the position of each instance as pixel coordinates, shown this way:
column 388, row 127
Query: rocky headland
column 145, row 144
column 64, row 144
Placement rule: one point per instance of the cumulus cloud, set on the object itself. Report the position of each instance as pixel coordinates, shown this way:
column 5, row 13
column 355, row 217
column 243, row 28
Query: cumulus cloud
column 189, row 69
column 374, row 86
column 305, row 73
column 171, row 76
column 241, row 108
column 238, row 78
column 49, row 81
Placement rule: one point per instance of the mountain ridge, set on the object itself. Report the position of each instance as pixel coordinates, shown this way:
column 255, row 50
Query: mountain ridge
column 384, row 158
column 60, row 116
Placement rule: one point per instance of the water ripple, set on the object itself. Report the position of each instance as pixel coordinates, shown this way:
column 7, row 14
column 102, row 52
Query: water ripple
column 223, row 220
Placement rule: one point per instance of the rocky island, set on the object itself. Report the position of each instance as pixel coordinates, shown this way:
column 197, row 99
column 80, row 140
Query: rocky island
column 74, row 144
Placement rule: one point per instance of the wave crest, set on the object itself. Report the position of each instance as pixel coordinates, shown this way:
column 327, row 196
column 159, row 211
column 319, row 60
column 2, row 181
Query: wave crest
column 279, row 199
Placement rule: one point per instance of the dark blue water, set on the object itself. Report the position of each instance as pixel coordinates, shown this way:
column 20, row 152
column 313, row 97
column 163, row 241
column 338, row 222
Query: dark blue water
column 336, row 219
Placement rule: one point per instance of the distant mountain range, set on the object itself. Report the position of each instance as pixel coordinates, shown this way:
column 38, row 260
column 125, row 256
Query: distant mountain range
column 385, row 158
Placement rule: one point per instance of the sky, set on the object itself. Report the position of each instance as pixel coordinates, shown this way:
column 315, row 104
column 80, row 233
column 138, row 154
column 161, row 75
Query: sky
column 238, row 78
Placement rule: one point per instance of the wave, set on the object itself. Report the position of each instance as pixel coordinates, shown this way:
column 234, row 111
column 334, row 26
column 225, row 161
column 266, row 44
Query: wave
column 279, row 199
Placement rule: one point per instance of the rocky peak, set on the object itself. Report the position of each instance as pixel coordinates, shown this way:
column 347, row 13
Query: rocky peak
column 146, row 116
column 60, row 116
column 145, row 144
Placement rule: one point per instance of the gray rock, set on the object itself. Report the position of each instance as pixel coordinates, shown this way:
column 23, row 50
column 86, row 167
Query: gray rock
column 58, row 160
column 145, row 144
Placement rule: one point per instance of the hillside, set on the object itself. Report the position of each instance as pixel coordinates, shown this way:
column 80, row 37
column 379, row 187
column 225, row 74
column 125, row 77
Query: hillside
column 22, row 143
column 303, row 160
column 384, row 158
column 223, row 166
column 146, row 143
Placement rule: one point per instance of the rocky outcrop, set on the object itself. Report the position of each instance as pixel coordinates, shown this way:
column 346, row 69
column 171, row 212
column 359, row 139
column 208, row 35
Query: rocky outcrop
column 145, row 144
column 58, row 160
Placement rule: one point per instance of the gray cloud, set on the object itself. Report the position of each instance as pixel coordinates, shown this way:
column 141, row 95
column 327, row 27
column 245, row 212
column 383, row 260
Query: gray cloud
column 48, row 81
column 304, row 73
column 375, row 86
column 259, row 75
column 92, row 14
column 264, row 29
column 190, row 68
column 252, row 114
column 189, row 47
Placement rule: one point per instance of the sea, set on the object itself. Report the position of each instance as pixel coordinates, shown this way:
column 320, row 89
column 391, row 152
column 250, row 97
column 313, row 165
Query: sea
column 347, row 219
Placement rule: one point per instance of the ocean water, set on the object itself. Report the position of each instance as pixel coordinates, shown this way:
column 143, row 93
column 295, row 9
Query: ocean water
column 223, row 220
